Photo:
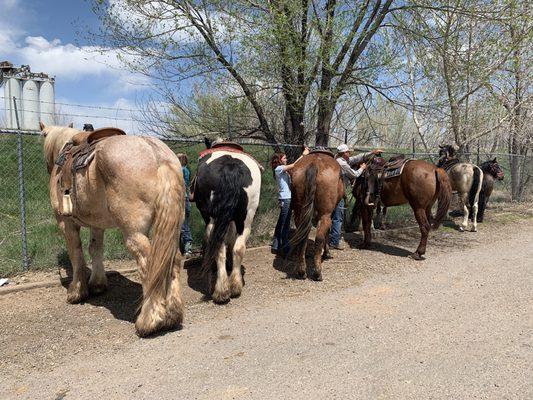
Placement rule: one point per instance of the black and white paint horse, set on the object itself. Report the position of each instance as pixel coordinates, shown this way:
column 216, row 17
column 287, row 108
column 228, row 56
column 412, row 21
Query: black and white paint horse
column 226, row 191
column 466, row 179
column 491, row 171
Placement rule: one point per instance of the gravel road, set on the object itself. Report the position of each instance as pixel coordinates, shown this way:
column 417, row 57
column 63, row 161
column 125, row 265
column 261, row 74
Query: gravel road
column 381, row 326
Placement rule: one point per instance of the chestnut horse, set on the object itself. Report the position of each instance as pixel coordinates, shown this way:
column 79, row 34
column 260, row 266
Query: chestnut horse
column 317, row 188
column 135, row 184
column 420, row 184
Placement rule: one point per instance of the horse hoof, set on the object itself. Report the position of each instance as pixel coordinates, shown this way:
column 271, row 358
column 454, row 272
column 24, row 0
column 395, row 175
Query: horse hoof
column 473, row 230
column 461, row 229
column 221, row 298
column 76, row 294
column 317, row 276
column 417, row 257
column 363, row 246
column 327, row 256
column 300, row 275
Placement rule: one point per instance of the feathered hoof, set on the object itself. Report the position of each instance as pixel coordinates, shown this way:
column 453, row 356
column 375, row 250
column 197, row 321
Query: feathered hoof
column 417, row 257
column 221, row 297
column 235, row 290
column 77, row 292
column 150, row 325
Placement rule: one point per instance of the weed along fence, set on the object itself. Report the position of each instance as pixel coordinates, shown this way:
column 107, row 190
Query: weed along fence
column 30, row 238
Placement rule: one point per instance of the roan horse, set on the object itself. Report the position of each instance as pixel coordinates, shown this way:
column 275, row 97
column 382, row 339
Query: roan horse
column 317, row 188
column 466, row 179
column 226, row 191
column 135, row 184
column 420, row 184
column 491, row 171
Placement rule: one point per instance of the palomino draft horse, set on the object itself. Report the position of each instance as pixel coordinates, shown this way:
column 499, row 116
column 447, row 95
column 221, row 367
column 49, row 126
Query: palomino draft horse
column 317, row 188
column 466, row 179
column 226, row 191
column 134, row 184
column 416, row 182
column 491, row 171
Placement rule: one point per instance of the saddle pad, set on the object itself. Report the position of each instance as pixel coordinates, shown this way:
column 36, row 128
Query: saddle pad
column 394, row 172
column 228, row 149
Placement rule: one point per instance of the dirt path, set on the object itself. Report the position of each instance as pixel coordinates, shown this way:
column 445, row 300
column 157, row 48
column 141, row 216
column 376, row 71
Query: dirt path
column 458, row 325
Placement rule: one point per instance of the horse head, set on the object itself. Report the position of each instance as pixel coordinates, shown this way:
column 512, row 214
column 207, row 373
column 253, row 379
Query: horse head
column 493, row 168
column 446, row 153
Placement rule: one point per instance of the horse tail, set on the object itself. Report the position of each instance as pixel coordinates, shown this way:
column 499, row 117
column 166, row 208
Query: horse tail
column 475, row 189
column 224, row 202
column 308, row 208
column 162, row 306
column 444, row 196
column 482, row 198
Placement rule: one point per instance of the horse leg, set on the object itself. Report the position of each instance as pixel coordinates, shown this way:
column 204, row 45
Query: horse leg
column 239, row 248
column 77, row 290
column 321, row 232
column 424, row 225
column 366, row 218
column 326, row 255
column 464, row 201
column 98, row 279
column 300, row 256
column 139, row 245
column 474, row 216
column 221, row 293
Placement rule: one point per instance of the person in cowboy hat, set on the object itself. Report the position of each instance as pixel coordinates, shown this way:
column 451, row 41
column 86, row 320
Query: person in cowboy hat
column 349, row 175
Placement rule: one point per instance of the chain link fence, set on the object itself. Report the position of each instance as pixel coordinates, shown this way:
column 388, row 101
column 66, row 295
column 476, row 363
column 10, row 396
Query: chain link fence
column 30, row 238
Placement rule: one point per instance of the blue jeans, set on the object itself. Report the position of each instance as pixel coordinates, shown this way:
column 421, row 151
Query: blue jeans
column 185, row 228
column 336, row 224
column 281, row 234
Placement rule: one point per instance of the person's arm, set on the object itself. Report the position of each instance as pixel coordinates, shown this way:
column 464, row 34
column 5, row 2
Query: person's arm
column 291, row 166
column 359, row 158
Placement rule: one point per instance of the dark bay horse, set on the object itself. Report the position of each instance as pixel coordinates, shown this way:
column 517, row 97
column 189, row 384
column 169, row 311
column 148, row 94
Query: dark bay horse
column 491, row 171
column 226, row 191
column 466, row 179
column 420, row 184
column 317, row 188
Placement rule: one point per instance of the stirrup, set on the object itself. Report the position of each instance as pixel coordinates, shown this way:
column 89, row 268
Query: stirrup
column 66, row 205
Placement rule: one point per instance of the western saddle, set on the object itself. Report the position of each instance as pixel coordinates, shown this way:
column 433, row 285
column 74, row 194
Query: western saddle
column 75, row 155
column 380, row 170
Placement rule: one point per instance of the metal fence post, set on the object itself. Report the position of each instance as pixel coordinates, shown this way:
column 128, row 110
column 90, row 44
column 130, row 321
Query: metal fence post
column 22, row 196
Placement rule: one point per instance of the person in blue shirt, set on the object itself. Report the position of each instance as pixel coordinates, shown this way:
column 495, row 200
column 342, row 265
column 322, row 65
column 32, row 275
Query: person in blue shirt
column 280, row 168
column 186, row 238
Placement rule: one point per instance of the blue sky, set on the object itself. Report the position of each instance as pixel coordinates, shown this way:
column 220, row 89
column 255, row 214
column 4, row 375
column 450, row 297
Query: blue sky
column 44, row 35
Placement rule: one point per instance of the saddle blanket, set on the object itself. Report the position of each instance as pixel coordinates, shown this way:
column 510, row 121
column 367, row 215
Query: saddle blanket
column 394, row 172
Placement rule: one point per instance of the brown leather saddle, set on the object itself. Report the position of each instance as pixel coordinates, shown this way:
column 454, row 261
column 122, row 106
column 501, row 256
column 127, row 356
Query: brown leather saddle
column 380, row 170
column 74, row 156
column 322, row 150
column 394, row 167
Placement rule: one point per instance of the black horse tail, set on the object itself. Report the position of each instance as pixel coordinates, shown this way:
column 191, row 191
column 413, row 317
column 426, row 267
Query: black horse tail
column 482, row 204
column 444, row 196
column 308, row 208
column 224, row 202
column 475, row 189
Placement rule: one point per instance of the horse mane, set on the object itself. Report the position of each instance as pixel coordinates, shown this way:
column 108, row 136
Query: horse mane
column 55, row 138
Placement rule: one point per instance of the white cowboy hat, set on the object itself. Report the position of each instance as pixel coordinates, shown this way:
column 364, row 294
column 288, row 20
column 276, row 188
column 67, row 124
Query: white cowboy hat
column 343, row 148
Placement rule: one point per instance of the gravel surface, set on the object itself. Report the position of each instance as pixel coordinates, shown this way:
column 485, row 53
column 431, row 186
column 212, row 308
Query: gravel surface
column 380, row 325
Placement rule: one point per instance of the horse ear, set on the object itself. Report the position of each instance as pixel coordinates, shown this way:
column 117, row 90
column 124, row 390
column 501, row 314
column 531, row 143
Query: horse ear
column 42, row 126
column 441, row 146
column 207, row 142
column 455, row 147
column 494, row 161
column 71, row 125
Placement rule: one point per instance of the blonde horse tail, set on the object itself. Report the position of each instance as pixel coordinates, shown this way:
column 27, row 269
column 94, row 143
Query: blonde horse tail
column 308, row 208
column 162, row 307
column 444, row 196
